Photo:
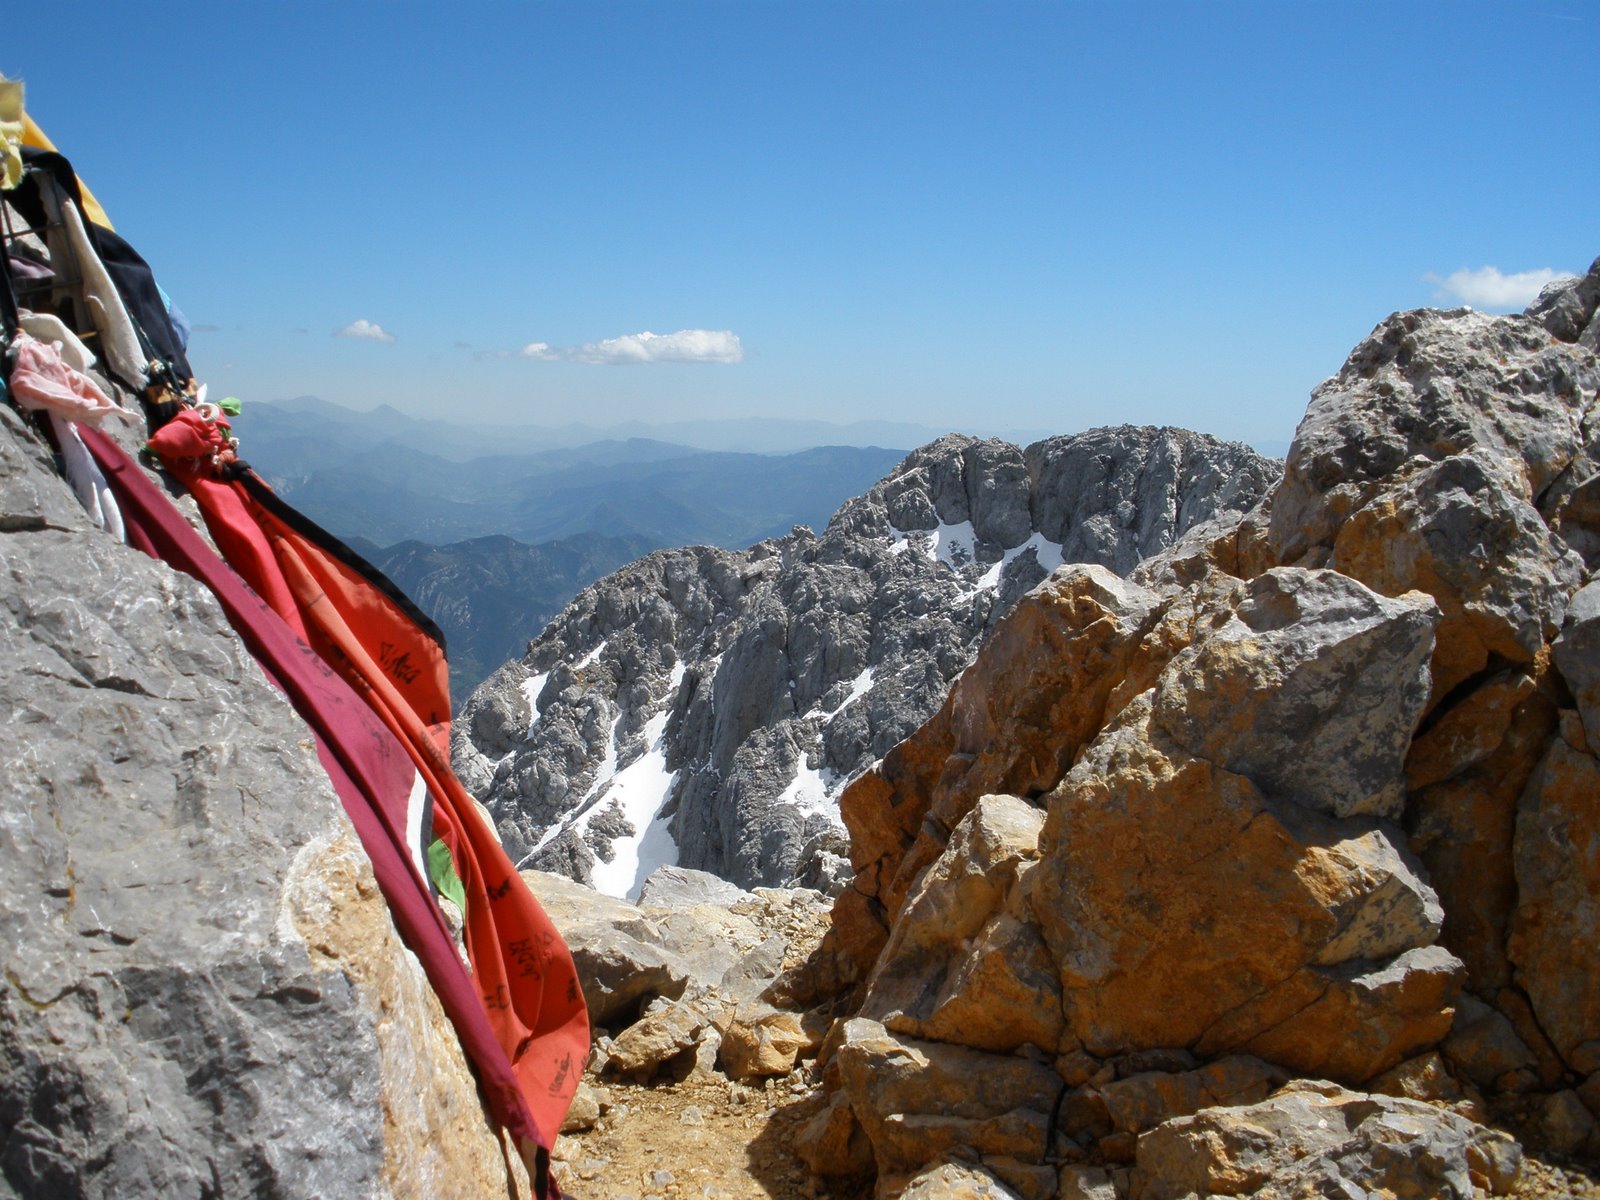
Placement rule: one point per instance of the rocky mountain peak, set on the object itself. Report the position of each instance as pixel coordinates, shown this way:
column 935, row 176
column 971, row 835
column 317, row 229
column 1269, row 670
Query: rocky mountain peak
column 705, row 707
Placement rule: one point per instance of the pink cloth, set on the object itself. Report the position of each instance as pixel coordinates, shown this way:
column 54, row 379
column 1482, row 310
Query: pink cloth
column 41, row 380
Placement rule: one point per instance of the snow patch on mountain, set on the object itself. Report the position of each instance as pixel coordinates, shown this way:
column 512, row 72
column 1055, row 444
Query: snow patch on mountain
column 639, row 791
column 1048, row 554
column 859, row 687
column 814, row 791
column 531, row 688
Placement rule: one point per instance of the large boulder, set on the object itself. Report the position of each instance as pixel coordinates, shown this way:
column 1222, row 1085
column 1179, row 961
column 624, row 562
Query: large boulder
column 964, row 963
column 1197, row 889
column 918, row 1101
column 1011, row 725
column 203, row 993
column 1316, row 1139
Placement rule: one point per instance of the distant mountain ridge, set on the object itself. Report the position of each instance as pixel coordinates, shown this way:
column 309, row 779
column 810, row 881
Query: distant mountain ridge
column 460, row 441
column 337, row 469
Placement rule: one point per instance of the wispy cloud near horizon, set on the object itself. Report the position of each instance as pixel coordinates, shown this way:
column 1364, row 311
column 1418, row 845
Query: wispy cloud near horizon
column 1489, row 287
column 364, row 330
column 638, row 349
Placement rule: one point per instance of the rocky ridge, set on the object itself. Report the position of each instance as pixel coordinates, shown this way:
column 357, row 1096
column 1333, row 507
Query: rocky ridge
column 1269, row 869
column 706, row 707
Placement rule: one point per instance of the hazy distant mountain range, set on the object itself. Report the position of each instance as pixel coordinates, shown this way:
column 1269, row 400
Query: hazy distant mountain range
column 458, row 441
column 389, row 478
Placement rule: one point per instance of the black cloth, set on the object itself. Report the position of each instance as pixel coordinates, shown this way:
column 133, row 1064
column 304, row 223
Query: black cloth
column 134, row 280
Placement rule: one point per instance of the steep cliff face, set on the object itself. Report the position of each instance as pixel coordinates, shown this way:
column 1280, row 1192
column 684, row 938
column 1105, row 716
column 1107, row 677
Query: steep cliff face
column 1311, row 796
column 202, row 991
column 706, row 707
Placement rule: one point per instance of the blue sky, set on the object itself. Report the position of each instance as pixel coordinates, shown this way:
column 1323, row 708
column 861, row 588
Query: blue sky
column 965, row 215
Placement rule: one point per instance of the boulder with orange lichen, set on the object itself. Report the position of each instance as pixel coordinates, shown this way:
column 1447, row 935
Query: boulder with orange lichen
column 1201, row 883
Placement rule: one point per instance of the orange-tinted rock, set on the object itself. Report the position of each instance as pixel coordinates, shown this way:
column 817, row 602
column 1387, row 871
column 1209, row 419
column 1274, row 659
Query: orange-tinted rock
column 959, row 966
column 654, row 1040
column 833, row 1143
column 1427, row 1077
column 1012, row 724
column 1360, row 1022
column 884, row 807
column 1512, row 1003
column 1483, row 1045
column 1469, row 732
column 1143, row 1101
column 1462, row 830
column 1187, row 907
column 761, row 1044
column 1456, row 531
column 918, row 1100
column 1556, row 925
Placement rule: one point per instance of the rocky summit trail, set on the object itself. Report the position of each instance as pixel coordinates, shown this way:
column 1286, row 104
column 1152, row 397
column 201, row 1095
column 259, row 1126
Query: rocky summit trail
column 712, row 1139
column 688, row 1130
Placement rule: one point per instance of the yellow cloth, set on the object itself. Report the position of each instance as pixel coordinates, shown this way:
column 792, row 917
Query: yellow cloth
column 34, row 136
column 12, row 131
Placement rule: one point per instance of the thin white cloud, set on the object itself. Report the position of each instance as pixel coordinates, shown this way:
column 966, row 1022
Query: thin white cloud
column 685, row 346
column 366, row 330
column 1489, row 287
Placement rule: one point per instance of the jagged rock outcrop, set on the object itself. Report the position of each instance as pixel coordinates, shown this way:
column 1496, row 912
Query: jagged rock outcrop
column 203, row 993
column 706, row 706
column 1309, row 797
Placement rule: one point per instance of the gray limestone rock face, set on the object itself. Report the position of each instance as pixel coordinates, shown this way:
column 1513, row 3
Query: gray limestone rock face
column 1116, row 496
column 1315, row 1139
column 181, row 1012
column 1567, row 308
column 706, row 707
column 1310, row 685
column 1456, row 453
column 1577, row 654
